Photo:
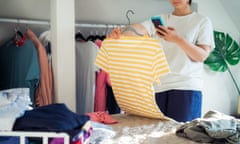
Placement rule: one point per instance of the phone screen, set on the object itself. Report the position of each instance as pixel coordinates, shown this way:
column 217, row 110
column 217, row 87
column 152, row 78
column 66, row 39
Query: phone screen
column 157, row 21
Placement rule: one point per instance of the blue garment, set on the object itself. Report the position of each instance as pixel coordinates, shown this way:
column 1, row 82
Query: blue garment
column 19, row 66
column 11, row 140
column 112, row 105
column 52, row 118
column 181, row 105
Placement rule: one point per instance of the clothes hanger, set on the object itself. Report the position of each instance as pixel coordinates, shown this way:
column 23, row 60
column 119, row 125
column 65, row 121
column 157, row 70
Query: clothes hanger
column 129, row 27
column 79, row 37
column 105, row 33
column 91, row 37
column 19, row 38
column 17, row 31
column 97, row 36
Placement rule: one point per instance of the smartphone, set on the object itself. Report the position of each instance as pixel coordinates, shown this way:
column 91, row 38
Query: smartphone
column 157, row 20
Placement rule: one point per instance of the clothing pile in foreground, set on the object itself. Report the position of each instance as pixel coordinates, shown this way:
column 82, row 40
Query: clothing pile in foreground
column 13, row 103
column 214, row 127
column 52, row 118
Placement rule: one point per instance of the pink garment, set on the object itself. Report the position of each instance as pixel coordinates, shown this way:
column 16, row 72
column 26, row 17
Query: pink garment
column 43, row 94
column 57, row 141
column 99, row 44
column 102, row 79
column 102, row 117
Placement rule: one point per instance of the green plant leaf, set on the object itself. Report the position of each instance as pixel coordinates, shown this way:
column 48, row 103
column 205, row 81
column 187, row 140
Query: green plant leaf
column 226, row 52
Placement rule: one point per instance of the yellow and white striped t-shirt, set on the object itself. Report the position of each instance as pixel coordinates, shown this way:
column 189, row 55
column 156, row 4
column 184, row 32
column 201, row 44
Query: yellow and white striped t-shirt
column 134, row 63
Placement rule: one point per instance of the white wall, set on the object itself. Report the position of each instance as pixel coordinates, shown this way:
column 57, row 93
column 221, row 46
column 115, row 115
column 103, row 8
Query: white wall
column 232, row 8
column 63, row 52
column 113, row 11
column 219, row 91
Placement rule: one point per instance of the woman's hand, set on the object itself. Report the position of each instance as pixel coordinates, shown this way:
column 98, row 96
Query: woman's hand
column 168, row 34
column 115, row 33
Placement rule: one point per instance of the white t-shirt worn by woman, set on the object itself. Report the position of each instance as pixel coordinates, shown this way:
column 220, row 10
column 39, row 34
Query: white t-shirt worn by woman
column 185, row 73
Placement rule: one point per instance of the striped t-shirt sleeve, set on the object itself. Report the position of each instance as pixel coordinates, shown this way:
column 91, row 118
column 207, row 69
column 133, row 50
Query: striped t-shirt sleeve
column 160, row 66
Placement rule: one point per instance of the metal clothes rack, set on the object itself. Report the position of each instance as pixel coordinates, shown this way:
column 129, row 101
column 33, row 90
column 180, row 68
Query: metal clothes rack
column 44, row 22
column 22, row 135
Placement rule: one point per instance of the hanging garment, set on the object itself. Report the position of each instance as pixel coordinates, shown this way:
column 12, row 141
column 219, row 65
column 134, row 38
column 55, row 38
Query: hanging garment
column 134, row 63
column 19, row 66
column 104, row 97
column 86, row 53
column 43, row 95
column 100, row 90
column 45, row 39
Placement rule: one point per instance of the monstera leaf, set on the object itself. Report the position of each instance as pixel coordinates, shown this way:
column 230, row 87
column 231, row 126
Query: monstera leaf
column 226, row 52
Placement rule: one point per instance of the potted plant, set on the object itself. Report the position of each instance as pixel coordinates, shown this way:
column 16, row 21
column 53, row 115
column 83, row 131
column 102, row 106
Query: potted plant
column 226, row 53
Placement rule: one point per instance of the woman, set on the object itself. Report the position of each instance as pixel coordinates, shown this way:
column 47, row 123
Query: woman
column 187, row 39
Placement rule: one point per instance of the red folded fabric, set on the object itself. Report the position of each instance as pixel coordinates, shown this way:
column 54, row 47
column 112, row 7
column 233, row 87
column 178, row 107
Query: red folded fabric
column 77, row 142
column 102, row 117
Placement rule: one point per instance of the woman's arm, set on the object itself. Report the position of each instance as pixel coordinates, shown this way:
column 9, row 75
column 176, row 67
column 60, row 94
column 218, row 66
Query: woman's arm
column 197, row 53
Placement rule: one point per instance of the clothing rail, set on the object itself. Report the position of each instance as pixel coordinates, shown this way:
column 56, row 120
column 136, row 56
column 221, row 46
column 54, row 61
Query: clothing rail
column 44, row 135
column 45, row 22
column 24, row 21
column 99, row 25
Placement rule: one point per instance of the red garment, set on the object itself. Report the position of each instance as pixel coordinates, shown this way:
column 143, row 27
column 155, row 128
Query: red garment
column 77, row 142
column 102, row 79
column 99, row 44
column 102, row 117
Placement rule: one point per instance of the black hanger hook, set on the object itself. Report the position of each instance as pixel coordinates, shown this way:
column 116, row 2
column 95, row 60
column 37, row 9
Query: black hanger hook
column 127, row 13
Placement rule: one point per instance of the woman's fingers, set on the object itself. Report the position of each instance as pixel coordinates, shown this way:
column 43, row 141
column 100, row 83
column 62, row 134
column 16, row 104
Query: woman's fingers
column 162, row 30
column 115, row 33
